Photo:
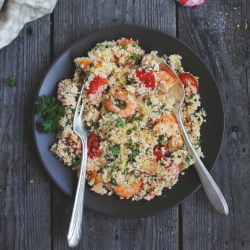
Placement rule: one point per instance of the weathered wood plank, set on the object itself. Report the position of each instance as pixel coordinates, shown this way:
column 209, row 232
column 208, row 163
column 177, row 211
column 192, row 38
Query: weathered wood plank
column 24, row 205
column 211, row 30
column 72, row 21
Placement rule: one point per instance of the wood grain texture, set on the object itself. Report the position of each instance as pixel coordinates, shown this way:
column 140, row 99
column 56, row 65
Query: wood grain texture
column 24, row 205
column 212, row 32
column 36, row 215
column 77, row 19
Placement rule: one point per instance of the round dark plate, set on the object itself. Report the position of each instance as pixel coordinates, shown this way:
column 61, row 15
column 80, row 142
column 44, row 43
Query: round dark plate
column 212, row 130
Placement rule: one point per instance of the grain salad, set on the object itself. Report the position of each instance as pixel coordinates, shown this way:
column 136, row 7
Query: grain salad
column 135, row 146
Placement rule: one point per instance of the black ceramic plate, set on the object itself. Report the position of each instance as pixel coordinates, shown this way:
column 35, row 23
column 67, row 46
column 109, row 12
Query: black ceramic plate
column 211, row 132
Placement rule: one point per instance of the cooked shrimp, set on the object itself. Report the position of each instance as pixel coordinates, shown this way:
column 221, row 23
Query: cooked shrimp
column 126, row 191
column 164, row 81
column 128, row 99
column 165, row 126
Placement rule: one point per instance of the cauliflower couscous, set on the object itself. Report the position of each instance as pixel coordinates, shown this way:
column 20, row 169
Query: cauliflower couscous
column 135, row 146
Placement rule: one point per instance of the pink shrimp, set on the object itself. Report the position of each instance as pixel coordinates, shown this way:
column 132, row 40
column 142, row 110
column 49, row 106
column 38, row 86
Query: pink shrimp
column 128, row 99
column 128, row 190
column 165, row 123
column 168, row 79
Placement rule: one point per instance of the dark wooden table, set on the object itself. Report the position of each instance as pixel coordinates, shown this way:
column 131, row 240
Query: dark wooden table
column 35, row 214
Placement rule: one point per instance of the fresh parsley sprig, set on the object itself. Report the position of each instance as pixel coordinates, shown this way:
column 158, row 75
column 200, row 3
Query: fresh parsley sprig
column 51, row 111
column 11, row 81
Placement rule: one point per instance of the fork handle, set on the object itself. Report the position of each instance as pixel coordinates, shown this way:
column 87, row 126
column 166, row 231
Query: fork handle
column 75, row 227
column 212, row 190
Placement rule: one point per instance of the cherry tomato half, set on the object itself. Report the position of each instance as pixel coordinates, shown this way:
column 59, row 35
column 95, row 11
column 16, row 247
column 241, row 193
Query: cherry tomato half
column 95, row 84
column 188, row 80
column 94, row 146
column 147, row 78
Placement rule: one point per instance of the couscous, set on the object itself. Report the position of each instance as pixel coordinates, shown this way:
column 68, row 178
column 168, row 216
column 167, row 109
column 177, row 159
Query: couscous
column 135, row 146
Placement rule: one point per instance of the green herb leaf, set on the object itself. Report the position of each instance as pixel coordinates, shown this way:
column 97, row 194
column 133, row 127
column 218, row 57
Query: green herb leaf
column 198, row 143
column 134, row 118
column 91, row 65
column 149, row 102
column 124, row 47
column 76, row 160
column 128, row 80
column 17, row 137
column 134, row 56
column 120, row 123
column 113, row 182
column 9, row 106
column 115, row 150
column 51, row 111
column 126, row 171
column 129, row 132
column 137, row 175
column 94, row 125
column 130, row 144
column 188, row 159
column 162, row 107
column 11, row 81
column 135, row 153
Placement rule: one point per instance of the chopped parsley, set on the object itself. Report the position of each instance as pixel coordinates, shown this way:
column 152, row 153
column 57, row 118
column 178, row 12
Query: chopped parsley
column 11, row 81
column 113, row 182
column 76, row 160
column 137, row 175
column 126, row 171
column 120, row 123
column 124, row 47
column 134, row 56
column 119, row 104
column 134, row 118
column 129, row 132
column 51, row 111
column 17, row 137
column 9, row 106
column 162, row 107
column 91, row 65
column 130, row 144
column 187, row 159
column 149, row 102
column 115, row 150
column 94, row 125
column 198, row 143
column 128, row 80
column 135, row 152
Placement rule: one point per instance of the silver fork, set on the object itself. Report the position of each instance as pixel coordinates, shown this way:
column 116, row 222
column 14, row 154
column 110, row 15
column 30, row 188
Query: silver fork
column 75, row 227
